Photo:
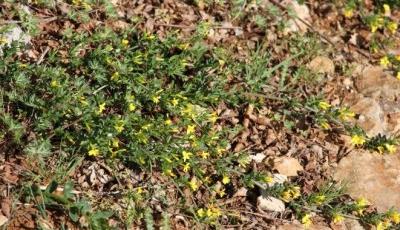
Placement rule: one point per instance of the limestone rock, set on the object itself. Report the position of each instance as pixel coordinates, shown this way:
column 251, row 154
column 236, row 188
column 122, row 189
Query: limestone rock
column 373, row 176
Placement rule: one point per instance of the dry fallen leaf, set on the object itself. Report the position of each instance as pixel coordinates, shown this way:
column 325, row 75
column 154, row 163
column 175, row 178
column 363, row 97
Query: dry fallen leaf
column 3, row 220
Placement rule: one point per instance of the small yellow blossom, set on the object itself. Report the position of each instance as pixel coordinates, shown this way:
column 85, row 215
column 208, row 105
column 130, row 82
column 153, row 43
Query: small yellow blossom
column 306, row 220
column 361, row 204
column 193, row 184
column 115, row 142
column 320, row 199
column 190, row 129
column 115, row 76
column 348, row 13
column 156, row 99
column 337, row 218
column 94, row 152
column 204, row 155
column 382, row 225
column 132, row 107
column 345, row 114
column 54, row 84
column 3, row 40
column 398, row 75
column 221, row 192
column 324, row 105
column 268, row 179
column 213, row 212
column 101, row 108
column 395, row 217
column 392, row 27
column 169, row 172
column 119, row 126
column 186, row 155
column 325, row 125
column 386, row 9
column 184, row 46
column 175, row 102
column 220, row 150
column 186, row 167
column 397, row 57
column 357, row 140
column 384, row 61
column 201, row 213
column 125, row 42
column 168, row 122
column 226, row 179
column 213, row 117
column 374, row 28
column 390, row 148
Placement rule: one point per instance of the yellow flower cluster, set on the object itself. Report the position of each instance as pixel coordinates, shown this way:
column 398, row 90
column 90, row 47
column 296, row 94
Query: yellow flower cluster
column 306, row 220
column 357, row 140
column 211, row 212
column 291, row 194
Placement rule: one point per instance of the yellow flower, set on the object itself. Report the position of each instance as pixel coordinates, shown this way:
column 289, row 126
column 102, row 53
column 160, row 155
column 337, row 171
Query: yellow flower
column 94, row 152
column 348, row 13
column 201, row 213
column 325, row 125
column 357, row 140
column 190, row 129
column 101, row 108
column 115, row 76
column 213, row 117
column 345, row 114
column 384, row 61
column 220, row 150
column 174, row 102
column 3, row 40
column 268, row 179
column 125, row 42
column 386, row 9
column 119, row 126
column 286, row 196
column 168, row 172
column 115, row 142
column 392, row 27
column 204, row 155
column 395, row 217
column 295, row 192
column 168, row 122
column 156, row 99
column 306, row 220
column 398, row 75
column 324, row 105
column 54, row 84
column 186, row 155
column 226, row 179
column 337, row 218
column 184, row 46
column 221, row 192
column 398, row 57
column 132, row 107
column 213, row 212
column 374, row 28
column 186, row 167
column 390, row 148
column 361, row 202
column 320, row 199
column 193, row 184
column 382, row 225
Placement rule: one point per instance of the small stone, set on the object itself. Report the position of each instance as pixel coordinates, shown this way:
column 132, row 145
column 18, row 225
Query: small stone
column 270, row 203
column 287, row 166
column 322, row 64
